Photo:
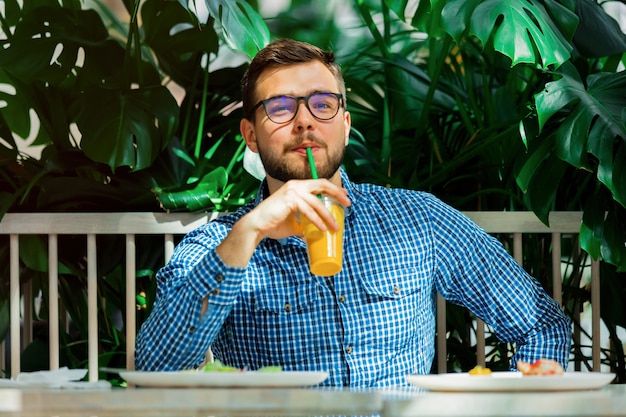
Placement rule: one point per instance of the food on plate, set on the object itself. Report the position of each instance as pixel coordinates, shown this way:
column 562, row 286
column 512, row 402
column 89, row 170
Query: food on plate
column 541, row 367
column 217, row 366
column 479, row 370
column 276, row 368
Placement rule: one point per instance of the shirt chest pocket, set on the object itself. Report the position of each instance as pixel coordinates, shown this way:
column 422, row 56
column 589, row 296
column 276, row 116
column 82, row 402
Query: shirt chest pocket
column 393, row 284
column 394, row 301
column 285, row 300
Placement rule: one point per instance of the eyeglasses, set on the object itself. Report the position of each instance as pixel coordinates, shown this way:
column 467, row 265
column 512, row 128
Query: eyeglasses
column 283, row 109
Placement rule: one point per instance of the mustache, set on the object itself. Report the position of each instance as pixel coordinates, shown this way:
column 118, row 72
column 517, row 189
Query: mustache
column 305, row 137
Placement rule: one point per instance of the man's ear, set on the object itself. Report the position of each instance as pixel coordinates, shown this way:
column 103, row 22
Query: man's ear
column 347, row 121
column 246, row 127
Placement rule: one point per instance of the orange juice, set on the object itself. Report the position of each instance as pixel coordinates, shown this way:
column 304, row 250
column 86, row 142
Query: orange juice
column 325, row 248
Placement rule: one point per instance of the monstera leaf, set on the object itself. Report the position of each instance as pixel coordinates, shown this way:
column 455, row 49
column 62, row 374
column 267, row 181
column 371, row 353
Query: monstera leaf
column 14, row 115
column 594, row 124
column 524, row 30
column 41, row 32
column 602, row 230
column 525, row 34
column 38, row 66
column 591, row 134
column 244, row 29
column 582, row 124
column 127, row 128
column 199, row 196
column 177, row 38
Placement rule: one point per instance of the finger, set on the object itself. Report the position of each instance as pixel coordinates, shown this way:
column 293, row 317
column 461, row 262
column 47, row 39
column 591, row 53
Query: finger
column 325, row 187
column 319, row 214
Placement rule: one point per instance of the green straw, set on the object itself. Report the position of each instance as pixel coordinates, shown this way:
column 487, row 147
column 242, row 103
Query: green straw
column 309, row 155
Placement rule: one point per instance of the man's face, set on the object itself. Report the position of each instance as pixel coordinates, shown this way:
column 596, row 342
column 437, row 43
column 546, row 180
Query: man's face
column 282, row 147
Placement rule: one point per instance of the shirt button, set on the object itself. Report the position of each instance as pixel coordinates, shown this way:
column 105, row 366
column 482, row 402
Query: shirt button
column 349, row 350
column 216, row 291
column 219, row 277
column 287, row 307
column 342, row 298
column 192, row 329
column 396, row 289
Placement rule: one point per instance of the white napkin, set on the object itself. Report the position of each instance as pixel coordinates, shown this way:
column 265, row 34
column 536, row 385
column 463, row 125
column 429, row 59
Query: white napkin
column 252, row 163
column 58, row 378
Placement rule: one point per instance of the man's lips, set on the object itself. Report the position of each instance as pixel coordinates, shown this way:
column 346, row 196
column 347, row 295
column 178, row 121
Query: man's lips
column 301, row 149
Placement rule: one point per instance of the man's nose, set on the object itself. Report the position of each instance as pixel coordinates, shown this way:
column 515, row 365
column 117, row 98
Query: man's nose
column 304, row 118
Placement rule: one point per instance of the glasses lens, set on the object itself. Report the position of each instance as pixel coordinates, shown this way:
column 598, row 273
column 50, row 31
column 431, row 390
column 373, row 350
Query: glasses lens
column 281, row 109
column 323, row 105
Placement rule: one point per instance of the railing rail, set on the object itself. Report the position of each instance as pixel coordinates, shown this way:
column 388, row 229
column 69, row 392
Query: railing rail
column 170, row 225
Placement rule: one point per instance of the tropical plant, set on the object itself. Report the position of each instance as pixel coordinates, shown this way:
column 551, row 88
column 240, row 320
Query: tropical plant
column 491, row 105
column 131, row 117
column 109, row 125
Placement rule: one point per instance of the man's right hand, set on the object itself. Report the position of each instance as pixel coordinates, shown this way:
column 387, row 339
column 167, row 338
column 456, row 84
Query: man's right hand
column 275, row 218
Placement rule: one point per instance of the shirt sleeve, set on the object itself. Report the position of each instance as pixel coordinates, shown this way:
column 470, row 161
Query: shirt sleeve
column 474, row 270
column 175, row 336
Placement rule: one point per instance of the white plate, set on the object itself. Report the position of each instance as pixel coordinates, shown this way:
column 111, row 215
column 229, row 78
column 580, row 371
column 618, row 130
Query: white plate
column 224, row 379
column 511, row 381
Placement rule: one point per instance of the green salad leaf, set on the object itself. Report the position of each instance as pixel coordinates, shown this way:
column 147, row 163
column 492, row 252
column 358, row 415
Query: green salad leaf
column 218, row 366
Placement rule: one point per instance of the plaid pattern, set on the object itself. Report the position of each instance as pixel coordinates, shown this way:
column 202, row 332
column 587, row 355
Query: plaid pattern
column 371, row 324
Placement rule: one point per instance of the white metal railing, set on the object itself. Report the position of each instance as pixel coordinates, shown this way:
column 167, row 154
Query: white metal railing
column 170, row 225
column 90, row 225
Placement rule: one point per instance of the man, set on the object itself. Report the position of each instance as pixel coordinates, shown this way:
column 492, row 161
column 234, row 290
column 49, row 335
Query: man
column 242, row 286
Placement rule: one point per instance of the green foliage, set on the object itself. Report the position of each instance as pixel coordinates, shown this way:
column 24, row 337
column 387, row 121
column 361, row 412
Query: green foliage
column 244, row 30
column 498, row 90
column 131, row 117
column 98, row 89
column 525, row 31
column 498, row 105
column 588, row 131
column 115, row 124
column 491, row 105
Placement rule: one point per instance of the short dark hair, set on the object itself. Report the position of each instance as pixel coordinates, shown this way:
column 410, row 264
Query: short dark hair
column 284, row 52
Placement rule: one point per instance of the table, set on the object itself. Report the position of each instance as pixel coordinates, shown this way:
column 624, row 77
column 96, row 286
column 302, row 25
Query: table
column 186, row 402
column 608, row 401
column 193, row 402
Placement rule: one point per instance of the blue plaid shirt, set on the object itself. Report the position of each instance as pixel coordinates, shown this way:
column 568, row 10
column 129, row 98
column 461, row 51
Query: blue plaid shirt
column 369, row 325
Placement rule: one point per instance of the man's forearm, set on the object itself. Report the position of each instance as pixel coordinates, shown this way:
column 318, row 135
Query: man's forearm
column 550, row 340
column 239, row 245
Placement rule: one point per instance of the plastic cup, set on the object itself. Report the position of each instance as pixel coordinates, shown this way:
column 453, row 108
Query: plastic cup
column 325, row 248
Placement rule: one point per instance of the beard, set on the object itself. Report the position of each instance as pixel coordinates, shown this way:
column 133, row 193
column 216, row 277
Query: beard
column 284, row 169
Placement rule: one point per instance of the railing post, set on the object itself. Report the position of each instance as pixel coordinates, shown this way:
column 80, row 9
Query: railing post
column 131, row 303
column 53, row 299
column 596, row 340
column 14, row 303
column 442, row 351
column 480, row 343
column 518, row 248
column 92, row 307
column 557, row 279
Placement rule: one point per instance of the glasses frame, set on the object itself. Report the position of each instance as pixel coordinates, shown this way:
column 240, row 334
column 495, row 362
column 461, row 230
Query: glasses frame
column 298, row 99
